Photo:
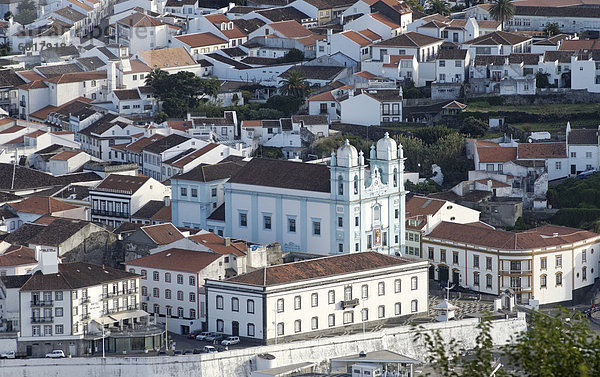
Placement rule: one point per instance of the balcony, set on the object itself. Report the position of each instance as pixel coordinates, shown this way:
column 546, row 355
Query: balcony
column 41, row 303
column 102, row 212
column 522, row 271
column 350, row 303
column 42, row 319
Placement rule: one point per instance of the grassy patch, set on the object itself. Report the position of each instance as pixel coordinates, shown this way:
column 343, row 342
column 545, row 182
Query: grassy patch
column 483, row 106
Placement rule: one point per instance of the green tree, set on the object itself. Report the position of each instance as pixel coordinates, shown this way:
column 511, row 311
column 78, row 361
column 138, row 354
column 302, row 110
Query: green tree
column 450, row 358
column 292, row 56
column 155, row 76
column 287, row 104
column 26, row 12
column 541, row 80
column 294, row 84
column 160, row 117
column 502, row 11
column 473, row 127
column 175, row 107
column 414, row 5
column 559, row 345
column 439, row 6
column 552, row 29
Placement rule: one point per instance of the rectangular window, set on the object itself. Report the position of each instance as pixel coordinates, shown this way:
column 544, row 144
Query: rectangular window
column 381, row 288
column 443, row 255
column 331, row 320
column 397, row 308
column 348, row 317
column 297, row 326
column 192, row 280
column 155, row 276
column 397, row 286
column 194, row 193
column 488, row 263
column 280, row 305
column 59, row 329
column 475, row 261
column 183, row 191
column 442, row 63
column 267, row 222
column 331, row 297
column 314, row 323
column 454, row 257
column 58, row 296
column 543, row 263
column 414, row 306
column 430, row 253
column 316, row 227
column 543, row 281
column 280, row 329
column 559, row 261
column 220, row 302
column 583, row 256
column 340, row 221
column 414, row 283
column 476, row 278
column 292, row 224
column 250, row 306
column 557, row 165
column 488, row 281
column 58, row 312
column 213, row 192
column 297, row 303
column 243, row 219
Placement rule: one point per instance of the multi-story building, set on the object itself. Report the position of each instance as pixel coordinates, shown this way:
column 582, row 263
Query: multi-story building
column 549, row 264
column 288, row 301
column 200, row 192
column 63, row 306
column 340, row 208
column 117, row 197
column 172, row 285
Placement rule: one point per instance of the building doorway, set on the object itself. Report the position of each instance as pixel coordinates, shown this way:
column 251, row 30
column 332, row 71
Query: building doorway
column 235, row 328
column 443, row 273
column 456, row 277
column 432, row 272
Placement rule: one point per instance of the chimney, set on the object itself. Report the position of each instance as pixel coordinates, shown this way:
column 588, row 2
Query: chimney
column 47, row 259
column 227, row 241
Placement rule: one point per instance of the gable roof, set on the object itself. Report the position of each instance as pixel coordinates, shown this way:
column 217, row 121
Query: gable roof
column 290, row 28
column 177, row 260
column 542, row 150
column 315, row 72
column 498, row 38
column 545, row 236
column 583, row 136
column 217, row 244
column 209, row 173
column 410, row 39
column 122, row 183
column 319, row 268
column 162, row 234
column 166, row 57
column 497, row 154
column 356, row 38
column 41, row 205
column 17, row 255
column 284, row 174
column 168, row 142
column 200, row 39
column 140, row 20
column 54, row 233
column 75, row 275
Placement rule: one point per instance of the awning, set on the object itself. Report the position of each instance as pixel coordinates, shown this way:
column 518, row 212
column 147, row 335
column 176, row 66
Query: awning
column 117, row 317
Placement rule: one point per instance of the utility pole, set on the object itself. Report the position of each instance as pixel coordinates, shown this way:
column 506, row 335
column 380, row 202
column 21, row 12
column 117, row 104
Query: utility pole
column 167, row 328
column 103, row 351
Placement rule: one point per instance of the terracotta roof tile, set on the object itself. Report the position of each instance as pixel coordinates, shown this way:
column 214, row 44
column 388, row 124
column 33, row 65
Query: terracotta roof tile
column 217, row 244
column 176, row 260
column 162, row 234
column 290, row 28
column 41, row 205
column 499, row 154
column 318, row 268
column 17, row 255
column 65, row 155
column 201, row 39
column 542, row 150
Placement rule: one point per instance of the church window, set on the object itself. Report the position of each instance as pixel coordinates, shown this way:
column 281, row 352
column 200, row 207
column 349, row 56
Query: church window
column 376, row 213
column 340, row 185
column 356, row 184
column 395, row 177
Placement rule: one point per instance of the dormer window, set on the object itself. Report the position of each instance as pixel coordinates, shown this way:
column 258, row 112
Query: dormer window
column 230, row 26
column 223, row 26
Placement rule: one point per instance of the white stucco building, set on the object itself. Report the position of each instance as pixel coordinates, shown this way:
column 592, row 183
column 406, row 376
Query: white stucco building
column 287, row 301
column 342, row 208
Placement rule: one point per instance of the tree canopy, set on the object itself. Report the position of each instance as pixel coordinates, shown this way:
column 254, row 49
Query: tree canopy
column 552, row 29
column 294, row 84
column 502, row 11
column 180, row 92
column 553, row 345
column 438, row 6
column 26, row 12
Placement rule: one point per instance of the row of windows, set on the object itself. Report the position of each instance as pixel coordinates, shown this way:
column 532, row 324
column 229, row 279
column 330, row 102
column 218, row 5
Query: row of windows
column 37, row 330
column 235, row 304
column 156, row 293
column 169, row 311
column 364, row 289
column 250, row 328
column 156, row 277
column 347, row 317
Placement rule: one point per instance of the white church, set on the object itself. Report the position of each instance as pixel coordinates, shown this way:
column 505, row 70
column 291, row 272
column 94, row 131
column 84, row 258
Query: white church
column 345, row 207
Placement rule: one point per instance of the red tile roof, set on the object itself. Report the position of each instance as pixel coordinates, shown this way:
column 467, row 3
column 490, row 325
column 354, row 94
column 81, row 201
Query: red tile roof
column 356, row 38
column 41, row 205
column 16, row 256
column 319, row 268
column 370, row 34
column 217, row 244
column 499, row 154
column 65, row 155
column 325, row 96
column 542, row 150
column 545, row 236
column 201, row 39
column 290, row 29
column 162, row 234
column 177, row 260
column 495, row 183
column 384, row 20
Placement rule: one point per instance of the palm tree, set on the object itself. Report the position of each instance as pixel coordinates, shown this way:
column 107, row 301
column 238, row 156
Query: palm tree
column 294, row 84
column 154, row 76
column 502, row 11
column 439, row 6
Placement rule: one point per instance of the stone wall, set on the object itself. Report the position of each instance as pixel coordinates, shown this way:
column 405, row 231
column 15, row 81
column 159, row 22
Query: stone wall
column 241, row 362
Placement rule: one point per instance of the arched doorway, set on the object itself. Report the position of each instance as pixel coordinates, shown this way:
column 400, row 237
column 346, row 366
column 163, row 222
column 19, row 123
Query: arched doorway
column 456, row 277
column 443, row 273
column 432, row 272
column 235, row 328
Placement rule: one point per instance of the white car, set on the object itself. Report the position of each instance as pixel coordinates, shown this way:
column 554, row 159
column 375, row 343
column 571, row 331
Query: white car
column 231, row 340
column 209, row 349
column 203, row 335
column 8, row 355
column 56, row 354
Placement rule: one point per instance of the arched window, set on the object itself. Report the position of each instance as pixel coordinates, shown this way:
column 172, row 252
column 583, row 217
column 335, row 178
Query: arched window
column 376, row 213
column 395, row 177
column 341, row 185
column 356, row 184
column 559, row 278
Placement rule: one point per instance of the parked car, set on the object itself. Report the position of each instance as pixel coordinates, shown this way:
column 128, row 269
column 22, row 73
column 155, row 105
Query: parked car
column 214, row 336
column 203, row 335
column 209, row 349
column 231, row 340
column 8, row 355
column 56, row 354
column 194, row 334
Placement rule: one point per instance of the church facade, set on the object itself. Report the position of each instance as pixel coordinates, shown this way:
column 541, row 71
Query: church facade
column 345, row 207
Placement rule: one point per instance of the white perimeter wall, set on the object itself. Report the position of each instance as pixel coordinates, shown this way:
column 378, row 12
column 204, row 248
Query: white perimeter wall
column 242, row 362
